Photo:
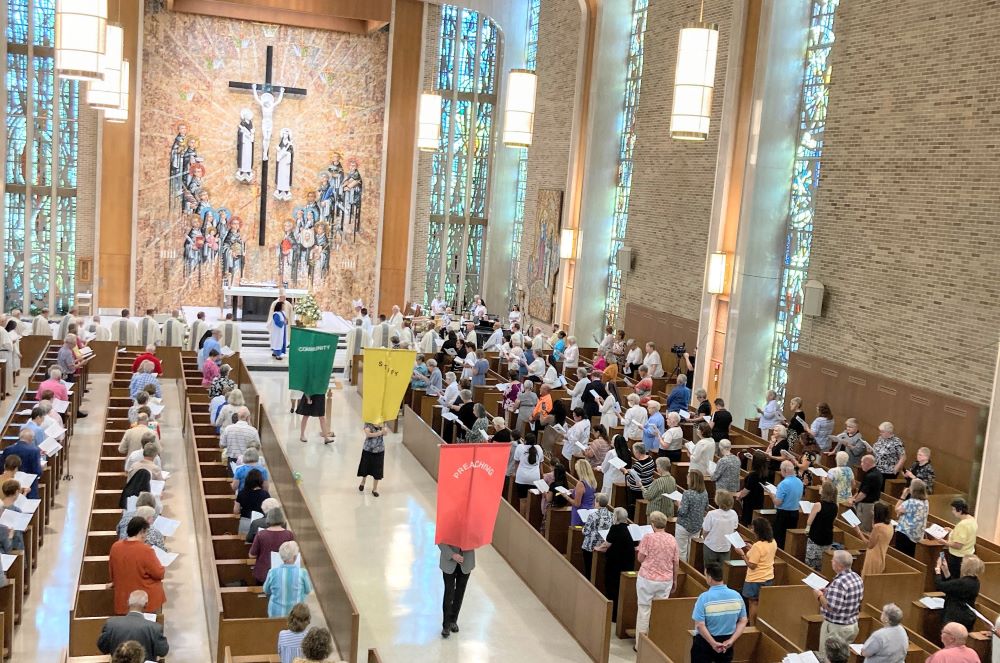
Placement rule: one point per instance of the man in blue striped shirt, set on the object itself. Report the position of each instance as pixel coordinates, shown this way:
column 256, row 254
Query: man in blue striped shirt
column 719, row 618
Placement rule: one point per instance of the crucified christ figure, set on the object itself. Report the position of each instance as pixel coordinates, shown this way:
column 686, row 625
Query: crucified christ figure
column 267, row 105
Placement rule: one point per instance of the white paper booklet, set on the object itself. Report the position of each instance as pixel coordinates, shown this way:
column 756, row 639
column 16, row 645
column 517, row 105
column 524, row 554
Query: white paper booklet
column 851, row 518
column 736, row 540
column 815, row 581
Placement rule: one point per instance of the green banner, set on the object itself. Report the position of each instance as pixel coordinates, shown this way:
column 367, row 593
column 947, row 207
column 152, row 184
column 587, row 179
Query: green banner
column 310, row 360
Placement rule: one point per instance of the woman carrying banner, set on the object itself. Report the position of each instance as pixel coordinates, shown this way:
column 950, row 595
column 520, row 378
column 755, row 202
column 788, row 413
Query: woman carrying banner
column 314, row 405
column 372, row 456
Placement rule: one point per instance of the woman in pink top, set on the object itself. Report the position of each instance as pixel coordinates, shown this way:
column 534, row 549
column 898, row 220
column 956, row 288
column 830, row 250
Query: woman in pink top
column 55, row 385
column 210, row 370
column 658, row 557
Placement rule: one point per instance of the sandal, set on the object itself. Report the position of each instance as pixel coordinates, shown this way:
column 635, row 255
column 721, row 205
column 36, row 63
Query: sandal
column 361, row 488
column 374, row 493
column 328, row 440
column 303, row 440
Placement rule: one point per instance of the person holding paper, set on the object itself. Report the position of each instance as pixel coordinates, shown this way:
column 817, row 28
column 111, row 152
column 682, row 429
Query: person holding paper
column 704, row 453
column 777, row 444
column 36, row 424
column 222, row 384
column 690, row 512
column 615, row 461
column 869, row 490
column 599, row 446
column 719, row 619
column 819, row 525
column 577, row 436
column 727, row 470
column 134, row 627
column 842, row 477
column 672, row 440
column 143, row 499
column 542, row 407
column 210, row 369
column 822, row 426
column 961, row 540
column 148, row 355
column 133, row 565
column 148, row 462
column 268, row 540
column 787, row 499
column 571, row 356
column 54, row 384
column 639, row 476
column 288, row 584
column 598, row 520
column 153, row 536
column 954, row 637
column 584, row 491
column 528, row 457
column 551, row 377
column 657, row 493
column 680, row 396
column 718, row 524
column 654, row 428
column 11, row 466
column 618, row 556
column 250, row 499
column 850, row 440
column 960, row 591
column 877, row 541
column 644, row 386
column 610, row 405
column 524, row 405
column 889, row 643
column 770, row 414
column 26, row 448
column 759, row 559
column 840, row 601
column 911, row 514
column 751, row 495
column 478, row 430
column 659, row 562
column 634, row 420
column 138, row 436
column 594, row 395
column 10, row 540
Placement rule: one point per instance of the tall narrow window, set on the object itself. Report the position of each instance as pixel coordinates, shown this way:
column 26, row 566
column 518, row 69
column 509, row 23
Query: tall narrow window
column 39, row 236
column 521, row 183
column 805, row 181
column 626, row 146
column 468, row 63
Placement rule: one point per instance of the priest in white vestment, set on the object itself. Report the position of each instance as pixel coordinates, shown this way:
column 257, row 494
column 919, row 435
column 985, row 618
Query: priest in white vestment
column 124, row 330
column 381, row 334
column 95, row 331
column 396, row 319
column 174, row 329
column 279, row 317
column 148, row 329
column 496, row 338
column 64, row 324
column 405, row 334
column 40, row 325
column 7, row 354
column 428, row 342
column 198, row 329
column 232, row 335
column 357, row 339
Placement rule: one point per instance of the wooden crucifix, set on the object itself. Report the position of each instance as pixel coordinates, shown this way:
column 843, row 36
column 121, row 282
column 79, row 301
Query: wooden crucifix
column 263, row 94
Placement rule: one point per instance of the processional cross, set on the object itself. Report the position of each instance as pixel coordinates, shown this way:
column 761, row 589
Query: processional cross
column 263, row 95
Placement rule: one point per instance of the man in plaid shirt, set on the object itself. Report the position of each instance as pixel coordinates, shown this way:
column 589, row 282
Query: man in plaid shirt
column 840, row 602
column 237, row 437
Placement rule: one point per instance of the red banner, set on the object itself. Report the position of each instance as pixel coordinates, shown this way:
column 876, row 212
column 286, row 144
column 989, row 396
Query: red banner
column 470, row 487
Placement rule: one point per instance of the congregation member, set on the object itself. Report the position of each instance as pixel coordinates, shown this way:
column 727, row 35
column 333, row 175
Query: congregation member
column 581, row 386
column 150, row 453
column 133, row 565
column 960, row 589
column 787, row 499
column 634, row 421
column 222, row 384
column 639, row 476
column 889, row 451
column 525, row 404
column 796, row 421
column 249, row 461
column 610, row 405
column 372, row 461
column 582, row 496
column 269, row 539
column 227, row 415
column 594, row 395
column 770, row 414
column 144, row 376
column 250, row 498
column 759, row 558
column 654, row 364
column 136, row 437
column 286, row 585
column 26, row 448
column 134, row 627
column 819, row 525
column 290, row 639
column 680, row 395
column 599, row 519
column 851, row 442
column 456, row 565
column 654, row 428
column 703, row 412
column 877, row 541
column 658, row 566
column 656, row 493
column 727, row 469
column 718, row 524
column 842, row 477
column 822, row 426
column 237, row 437
column 54, row 384
column 869, row 490
column 954, row 650
column 598, row 449
column 840, row 601
column 720, row 618
column 911, row 516
column 922, row 470
column 260, row 523
column 888, row 644
column 721, row 421
column 690, row 512
column 210, row 369
column 148, row 355
column 751, row 496
column 633, row 358
column 703, row 454
column 612, row 474
column 619, row 556
column 11, row 540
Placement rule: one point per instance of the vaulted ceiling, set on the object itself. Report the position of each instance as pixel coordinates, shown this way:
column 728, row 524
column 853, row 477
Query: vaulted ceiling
column 357, row 16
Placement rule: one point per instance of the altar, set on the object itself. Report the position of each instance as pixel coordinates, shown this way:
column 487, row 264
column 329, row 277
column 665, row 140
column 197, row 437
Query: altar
column 252, row 302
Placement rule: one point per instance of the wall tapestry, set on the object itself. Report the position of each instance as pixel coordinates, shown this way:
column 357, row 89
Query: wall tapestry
column 543, row 268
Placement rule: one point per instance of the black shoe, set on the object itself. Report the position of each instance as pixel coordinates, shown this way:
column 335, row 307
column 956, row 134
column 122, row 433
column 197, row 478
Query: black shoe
column 374, row 493
column 454, row 627
column 81, row 415
column 445, row 631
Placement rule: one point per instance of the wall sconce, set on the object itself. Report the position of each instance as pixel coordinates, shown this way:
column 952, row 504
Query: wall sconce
column 519, row 115
column 717, row 273
column 429, row 131
column 567, row 244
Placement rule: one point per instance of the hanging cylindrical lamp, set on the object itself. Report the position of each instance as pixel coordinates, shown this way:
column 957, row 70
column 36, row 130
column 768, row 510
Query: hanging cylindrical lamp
column 120, row 114
column 429, row 130
column 81, row 33
column 694, row 81
column 108, row 93
column 519, row 115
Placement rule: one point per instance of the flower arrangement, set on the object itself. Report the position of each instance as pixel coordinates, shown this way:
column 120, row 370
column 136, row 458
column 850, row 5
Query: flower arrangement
column 307, row 311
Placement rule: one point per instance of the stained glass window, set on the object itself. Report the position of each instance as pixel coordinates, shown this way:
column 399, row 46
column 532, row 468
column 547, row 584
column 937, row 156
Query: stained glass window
column 521, row 183
column 40, row 167
column 626, row 146
column 460, row 170
column 805, row 181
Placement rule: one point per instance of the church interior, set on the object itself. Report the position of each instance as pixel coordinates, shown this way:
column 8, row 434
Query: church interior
column 714, row 283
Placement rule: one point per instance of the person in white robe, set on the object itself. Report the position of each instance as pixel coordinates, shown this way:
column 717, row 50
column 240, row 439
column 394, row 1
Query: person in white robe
column 366, row 321
column 496, row 338
column 279, row 317
column 396, row 319
column 428, row 340
column 357, row 340
column 7, row 355
column 381, row 334
column 174, row 329
column 40, row 325
column 437, row 306
column 124, row 330
column 24, row 328
column 232, row 335
column 95, row 331
column 148, row 329
column 576, row 393
column 540, row 343
column 406, row 335
column 66, row 321
column 610, row 408
column 516, row 337
column 198, row 329
column 14, row 329
column 551, row 377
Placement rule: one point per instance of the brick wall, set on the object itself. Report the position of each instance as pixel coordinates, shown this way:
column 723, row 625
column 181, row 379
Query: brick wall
column 907, row 234
column 549, row 155
column 672, row 184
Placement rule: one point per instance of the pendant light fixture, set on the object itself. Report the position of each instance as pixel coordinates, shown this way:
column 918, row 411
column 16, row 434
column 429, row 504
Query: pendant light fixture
column 108, row 92
column 429, row 129
column 519, row 115
column 120, row 114
column 694, row 80
column 81, row 33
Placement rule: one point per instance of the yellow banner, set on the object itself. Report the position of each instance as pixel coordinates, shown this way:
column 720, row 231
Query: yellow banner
column 386, row 374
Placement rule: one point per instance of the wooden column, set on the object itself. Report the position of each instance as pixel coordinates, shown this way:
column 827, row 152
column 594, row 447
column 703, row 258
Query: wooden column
column 404, row 100
column 117, row 176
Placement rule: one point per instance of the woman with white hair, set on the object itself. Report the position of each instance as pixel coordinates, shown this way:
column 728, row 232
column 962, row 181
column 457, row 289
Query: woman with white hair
column 526, row 402
column 770, row 414
column 634, row 421
column 268, row 540
column 619, row 555
column 609, row 407
column 727, row 470
column 143, row 377
column 227, row 415
column 672, row 440
column 599, row 519
column 851, row 442
column 571, row 357
column 842, row 477
column 890, row 643
column 578, row 390
column 287, row 584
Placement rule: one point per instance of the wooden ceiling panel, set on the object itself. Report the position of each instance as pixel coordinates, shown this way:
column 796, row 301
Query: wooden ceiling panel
column 357, row 16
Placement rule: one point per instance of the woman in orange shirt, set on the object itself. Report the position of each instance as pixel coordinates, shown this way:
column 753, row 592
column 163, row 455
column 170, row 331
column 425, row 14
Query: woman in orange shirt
column 134, row 565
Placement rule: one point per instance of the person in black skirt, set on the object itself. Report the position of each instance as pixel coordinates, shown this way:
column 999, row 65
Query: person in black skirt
column 372, row 456
column 313, row 405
